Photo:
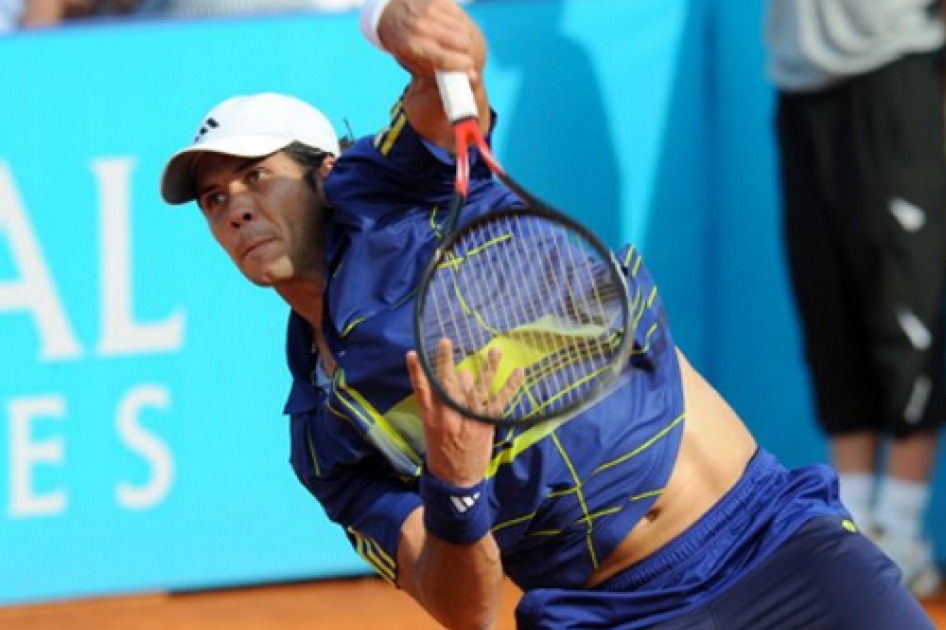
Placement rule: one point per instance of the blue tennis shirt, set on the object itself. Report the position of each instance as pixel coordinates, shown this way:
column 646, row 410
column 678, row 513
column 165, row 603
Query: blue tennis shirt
column 562, row 495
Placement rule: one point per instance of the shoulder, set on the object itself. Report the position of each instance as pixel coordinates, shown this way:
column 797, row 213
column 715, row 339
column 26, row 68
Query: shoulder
column 385, row 162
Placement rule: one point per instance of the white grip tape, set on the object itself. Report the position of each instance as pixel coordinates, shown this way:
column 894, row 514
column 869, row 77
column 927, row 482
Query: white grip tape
column 457, row 95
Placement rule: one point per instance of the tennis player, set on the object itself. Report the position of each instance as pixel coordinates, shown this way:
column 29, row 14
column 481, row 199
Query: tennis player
column 655, row 508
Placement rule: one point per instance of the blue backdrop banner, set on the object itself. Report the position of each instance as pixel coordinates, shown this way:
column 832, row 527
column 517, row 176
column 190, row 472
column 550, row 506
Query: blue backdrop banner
column 143, row 378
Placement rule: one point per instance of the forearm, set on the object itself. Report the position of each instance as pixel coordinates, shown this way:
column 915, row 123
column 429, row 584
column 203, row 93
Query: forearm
column 460, row 585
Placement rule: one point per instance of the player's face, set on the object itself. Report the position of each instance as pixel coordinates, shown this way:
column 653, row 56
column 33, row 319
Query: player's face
column 263, row 213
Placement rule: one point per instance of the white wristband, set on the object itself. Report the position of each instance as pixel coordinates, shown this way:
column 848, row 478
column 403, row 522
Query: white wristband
column 371, row 12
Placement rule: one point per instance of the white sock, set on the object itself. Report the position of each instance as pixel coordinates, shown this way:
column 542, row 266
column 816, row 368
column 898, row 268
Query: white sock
column 857, row 494
column 901, row 507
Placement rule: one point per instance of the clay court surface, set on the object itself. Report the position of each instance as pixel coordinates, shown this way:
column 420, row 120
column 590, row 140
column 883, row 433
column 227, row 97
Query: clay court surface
column 355, row 604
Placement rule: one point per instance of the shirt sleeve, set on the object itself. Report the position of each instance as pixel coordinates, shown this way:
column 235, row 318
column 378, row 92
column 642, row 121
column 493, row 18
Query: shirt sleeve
column 356, row 487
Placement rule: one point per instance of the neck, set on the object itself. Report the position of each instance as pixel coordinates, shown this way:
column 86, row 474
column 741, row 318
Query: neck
column 306, row 296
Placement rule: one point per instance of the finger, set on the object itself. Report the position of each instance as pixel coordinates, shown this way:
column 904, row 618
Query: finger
column 422, row 38
column 472, row 394
column 479, row 389
column 427, row 56
column 446, row 371
column 510, row 388
column 449, row 23
column 467, row 381
column 418, row 380
column 493, row 359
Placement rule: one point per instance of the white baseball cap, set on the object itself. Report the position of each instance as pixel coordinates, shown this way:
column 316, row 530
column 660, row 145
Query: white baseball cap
column 247, row 126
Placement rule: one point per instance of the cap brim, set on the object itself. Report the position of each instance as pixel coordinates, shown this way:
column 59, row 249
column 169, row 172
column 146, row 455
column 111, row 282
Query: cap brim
column 177, row 179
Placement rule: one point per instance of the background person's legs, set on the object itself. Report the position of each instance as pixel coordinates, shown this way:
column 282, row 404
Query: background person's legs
column 865, row 213
column 902, row 500
column 906, row 320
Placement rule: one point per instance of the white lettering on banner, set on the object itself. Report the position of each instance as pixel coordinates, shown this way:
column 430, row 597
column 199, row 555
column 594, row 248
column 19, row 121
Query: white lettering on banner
column 147, row 445
column 34, row 290
column 26, row 454
column 120, row 333
column 30, row 289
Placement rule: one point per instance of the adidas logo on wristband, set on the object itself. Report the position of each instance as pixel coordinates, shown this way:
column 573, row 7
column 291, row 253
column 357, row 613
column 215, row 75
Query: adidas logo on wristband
column 463, row 504
column 460, row 516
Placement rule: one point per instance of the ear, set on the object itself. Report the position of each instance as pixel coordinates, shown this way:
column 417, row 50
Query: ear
column 315, row 175
column 327, row 165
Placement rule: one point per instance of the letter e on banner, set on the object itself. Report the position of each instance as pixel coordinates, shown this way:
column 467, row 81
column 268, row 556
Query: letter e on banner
column 25, row 455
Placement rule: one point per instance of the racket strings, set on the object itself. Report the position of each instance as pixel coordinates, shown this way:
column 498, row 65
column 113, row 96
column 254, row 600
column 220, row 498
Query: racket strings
column 587, row 302
column 555, row 284
column 543, row 295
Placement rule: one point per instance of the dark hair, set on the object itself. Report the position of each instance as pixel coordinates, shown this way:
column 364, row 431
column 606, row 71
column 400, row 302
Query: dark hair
column 306, row 156
column 310, row 157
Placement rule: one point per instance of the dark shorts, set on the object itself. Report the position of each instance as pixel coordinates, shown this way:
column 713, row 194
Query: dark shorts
column 864, row 184
column 776, row 553
column 819, row 580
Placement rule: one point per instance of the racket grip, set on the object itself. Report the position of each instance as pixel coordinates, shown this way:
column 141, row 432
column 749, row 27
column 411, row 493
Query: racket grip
column 457, row 95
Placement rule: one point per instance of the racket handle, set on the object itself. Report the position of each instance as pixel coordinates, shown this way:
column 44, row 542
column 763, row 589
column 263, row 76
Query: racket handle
column 457, row 95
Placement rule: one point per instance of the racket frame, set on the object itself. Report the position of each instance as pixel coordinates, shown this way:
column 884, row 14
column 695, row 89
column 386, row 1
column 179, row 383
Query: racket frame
column 604, row 381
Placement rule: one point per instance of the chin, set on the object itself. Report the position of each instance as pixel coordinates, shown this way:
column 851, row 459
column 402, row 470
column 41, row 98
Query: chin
column 265, row 283
column 271, row 274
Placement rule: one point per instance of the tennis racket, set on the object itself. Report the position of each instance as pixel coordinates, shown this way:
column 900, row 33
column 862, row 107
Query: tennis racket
column 526, row 295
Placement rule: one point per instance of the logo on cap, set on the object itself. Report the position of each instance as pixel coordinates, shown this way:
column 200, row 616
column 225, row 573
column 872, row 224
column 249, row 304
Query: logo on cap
column 209, row 124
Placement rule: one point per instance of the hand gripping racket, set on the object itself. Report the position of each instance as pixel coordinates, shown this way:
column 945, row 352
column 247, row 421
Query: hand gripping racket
column 526, row 294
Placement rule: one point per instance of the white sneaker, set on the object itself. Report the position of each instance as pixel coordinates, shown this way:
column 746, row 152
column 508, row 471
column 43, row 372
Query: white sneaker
column 915, row 559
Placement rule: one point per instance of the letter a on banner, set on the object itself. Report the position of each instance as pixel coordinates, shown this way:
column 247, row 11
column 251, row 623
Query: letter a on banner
column 121, row 333
column 33, row 290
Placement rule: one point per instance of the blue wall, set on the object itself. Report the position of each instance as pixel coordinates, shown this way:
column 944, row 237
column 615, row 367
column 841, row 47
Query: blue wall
column 755, row 332
column 143, row 379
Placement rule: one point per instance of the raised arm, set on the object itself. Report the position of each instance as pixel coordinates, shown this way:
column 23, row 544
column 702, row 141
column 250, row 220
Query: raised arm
column 428, row 35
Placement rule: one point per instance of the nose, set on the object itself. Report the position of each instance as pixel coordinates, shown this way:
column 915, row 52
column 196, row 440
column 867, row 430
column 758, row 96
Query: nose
column 241, row 209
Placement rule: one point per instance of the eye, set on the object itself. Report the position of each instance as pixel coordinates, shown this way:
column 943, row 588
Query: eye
column 211, row 201
column 254, row 175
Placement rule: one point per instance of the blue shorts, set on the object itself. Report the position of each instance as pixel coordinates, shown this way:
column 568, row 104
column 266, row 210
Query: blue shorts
column 818, row 580
column 777, row 552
